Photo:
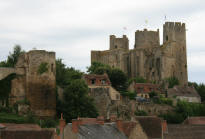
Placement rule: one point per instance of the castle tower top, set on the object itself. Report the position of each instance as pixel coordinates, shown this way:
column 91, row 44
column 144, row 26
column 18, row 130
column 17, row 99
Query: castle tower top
column 146, row 38
column 174, row 32
column 119, row 43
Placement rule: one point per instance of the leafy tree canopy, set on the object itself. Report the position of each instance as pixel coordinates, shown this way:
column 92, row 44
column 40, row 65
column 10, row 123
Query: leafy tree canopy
column 76, row 102
column 12, row 57
column 64, row 75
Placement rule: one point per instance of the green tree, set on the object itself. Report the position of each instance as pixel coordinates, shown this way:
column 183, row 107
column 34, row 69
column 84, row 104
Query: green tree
column 118, row 79
column 94, row 68
column 12, row 57
column 201, row 90
column 64, row 75
column 76, row 102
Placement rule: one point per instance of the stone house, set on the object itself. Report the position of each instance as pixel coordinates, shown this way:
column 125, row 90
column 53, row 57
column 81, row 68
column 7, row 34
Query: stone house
column 143, row 89
column 105, row 96
column 97, row 80
column 184, row 93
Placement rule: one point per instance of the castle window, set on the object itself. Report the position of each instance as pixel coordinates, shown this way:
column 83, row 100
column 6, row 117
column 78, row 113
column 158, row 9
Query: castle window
column 51, row 67
column 166, row 37
column 116, row 46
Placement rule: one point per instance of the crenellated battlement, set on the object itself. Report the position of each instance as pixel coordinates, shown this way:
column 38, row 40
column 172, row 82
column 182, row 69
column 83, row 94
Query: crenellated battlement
column 119, row 43
column 145, row 38
column 177, row 26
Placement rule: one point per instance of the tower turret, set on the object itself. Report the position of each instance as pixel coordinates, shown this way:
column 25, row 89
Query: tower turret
column 119, row 43
column 146, row 38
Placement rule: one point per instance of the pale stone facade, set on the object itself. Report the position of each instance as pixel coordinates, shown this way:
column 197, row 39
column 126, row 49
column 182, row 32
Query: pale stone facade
column 149, row 59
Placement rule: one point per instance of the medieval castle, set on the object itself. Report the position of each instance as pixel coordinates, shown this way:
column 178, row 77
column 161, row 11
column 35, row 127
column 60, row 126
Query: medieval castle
column 149, row 59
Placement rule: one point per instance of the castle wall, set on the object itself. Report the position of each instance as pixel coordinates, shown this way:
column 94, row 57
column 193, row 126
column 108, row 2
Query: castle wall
column 115, row 58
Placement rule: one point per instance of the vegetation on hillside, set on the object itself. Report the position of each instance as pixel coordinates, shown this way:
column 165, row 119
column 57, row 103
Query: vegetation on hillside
column 118, row 78
column 184, row 110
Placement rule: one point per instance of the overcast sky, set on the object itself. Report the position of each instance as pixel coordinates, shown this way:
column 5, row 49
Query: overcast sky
column 72, row 28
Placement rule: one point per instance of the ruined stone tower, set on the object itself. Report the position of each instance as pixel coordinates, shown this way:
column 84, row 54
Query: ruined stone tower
column 149, row 59
column 37, row 88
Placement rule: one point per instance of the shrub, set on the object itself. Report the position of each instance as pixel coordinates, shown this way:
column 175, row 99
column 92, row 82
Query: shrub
column 43, row 67
column 131, row 95
column 152, row 94
column 162, row 100
column 174, row 118
column 141, row 113
column 5, row 109
column 47, row 123
column 172, row 81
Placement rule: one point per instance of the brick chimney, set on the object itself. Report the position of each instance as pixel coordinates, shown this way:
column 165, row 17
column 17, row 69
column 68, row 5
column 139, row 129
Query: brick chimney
column 62, row 124
column 164, row 126
column 119, row 124
column 75, row 124
column 113, row 118
column 100, row 120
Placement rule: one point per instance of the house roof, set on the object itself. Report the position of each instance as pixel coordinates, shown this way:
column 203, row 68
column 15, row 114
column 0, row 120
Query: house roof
column 182, row 91
column 195, row 121
column 96, row 76
column 151, row 125
column 25, row 131
column 180, row 131
column 93, row 76
column 96, row 131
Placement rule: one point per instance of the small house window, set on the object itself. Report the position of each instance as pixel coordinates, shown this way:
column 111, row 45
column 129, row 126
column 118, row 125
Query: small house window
column 116, row 46
column 93, row 81
column 103, row 81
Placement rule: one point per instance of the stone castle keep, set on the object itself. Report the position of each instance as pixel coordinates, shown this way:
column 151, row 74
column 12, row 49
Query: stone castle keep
column 149, row 59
